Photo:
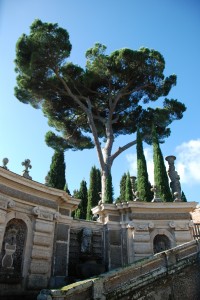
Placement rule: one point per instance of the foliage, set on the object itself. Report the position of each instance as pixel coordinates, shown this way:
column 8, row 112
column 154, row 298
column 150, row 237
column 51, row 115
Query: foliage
column 143, row 186
column 66, row 189
column 122, row 195
column 129, row 192
column 56, row 175
column 183, row 197
column 94, row 191
column 82, row 194
column 92, row 106
column 160, row 174
column 109, row 190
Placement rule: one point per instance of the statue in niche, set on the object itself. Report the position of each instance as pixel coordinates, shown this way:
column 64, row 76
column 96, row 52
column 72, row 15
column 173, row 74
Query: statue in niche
column 86, row 241
column 10, row 248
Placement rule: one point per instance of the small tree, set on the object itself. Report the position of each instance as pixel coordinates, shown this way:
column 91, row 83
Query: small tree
column 109, row 190
column 142, row 175
column 160, row 174
column 183, row 197
column 66, row 189
column 76, row 213
column 82, row 194
column 129, row 192
column 122, row 195
column 94, row 191
column 56, row 175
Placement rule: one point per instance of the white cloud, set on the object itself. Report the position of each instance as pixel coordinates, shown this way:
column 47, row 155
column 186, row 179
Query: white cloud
column 188, row 162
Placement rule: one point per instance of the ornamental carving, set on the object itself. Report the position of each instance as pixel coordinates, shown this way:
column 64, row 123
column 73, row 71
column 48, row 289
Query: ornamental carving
column 56, row 215
column 172, row 224
column 151, row 225
column 11, row 204
column 43, row 214
column 191, row 224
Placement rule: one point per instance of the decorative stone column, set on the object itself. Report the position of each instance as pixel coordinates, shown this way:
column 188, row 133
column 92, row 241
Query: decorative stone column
column 174, row 177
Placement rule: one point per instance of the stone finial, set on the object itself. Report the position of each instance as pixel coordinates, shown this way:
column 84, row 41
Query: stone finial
column 5, row 162
column 27, row 164
column 174, row 177
column 156, row 197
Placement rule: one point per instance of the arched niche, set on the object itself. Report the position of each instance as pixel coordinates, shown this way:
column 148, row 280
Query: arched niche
column 165, row 237
column 161, row 243
column 13, row 251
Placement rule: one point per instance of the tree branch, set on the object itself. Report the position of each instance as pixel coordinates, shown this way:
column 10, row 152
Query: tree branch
column 122, row 149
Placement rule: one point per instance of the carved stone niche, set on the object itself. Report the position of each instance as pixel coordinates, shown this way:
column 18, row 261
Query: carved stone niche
column 12, row 252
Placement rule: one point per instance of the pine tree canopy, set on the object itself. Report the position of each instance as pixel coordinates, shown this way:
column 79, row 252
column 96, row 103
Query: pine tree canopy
column 91, row 106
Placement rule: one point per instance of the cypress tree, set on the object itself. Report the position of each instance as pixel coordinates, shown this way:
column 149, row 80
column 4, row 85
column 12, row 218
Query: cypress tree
column 76, row 213
column 160, row 174
column 83, row 195
column 109, row 190
column 129, row 192
column 66, row 189
column 56, row 175
column 142, row 175
column 123, row 188
column 183, row 197
column 93, row 192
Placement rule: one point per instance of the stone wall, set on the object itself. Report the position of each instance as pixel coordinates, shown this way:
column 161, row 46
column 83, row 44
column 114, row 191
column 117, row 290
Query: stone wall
column 34, row 234
column 42, row 246
column 173, row 274
column 80, row 261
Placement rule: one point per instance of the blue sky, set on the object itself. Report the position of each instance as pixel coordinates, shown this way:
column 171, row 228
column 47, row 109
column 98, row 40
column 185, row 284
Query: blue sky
column 171, row 27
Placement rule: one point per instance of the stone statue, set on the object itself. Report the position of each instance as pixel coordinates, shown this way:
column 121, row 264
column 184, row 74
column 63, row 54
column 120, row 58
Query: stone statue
column 156, row 196
column 27, row 164
column 10, row 248
column 86, row 241
column 174, row 177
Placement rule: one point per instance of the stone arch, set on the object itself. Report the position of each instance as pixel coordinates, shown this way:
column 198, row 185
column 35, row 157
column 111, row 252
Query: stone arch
column 164, row 237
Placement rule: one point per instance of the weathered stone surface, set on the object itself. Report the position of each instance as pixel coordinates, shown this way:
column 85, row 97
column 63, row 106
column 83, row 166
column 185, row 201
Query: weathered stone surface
column 61, row 256
column 40, row 252
column 62, row 232
column 44, row 227
column 39, row 267
column 36, row 282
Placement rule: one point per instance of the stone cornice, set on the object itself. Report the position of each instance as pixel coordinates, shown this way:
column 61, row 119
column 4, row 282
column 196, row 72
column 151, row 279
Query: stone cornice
column 11, row 182
column 137, row 210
